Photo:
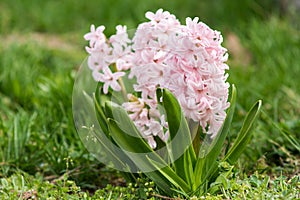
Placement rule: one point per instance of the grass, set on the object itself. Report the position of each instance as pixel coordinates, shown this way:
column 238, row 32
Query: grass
column 24, row 186
column 41, row 49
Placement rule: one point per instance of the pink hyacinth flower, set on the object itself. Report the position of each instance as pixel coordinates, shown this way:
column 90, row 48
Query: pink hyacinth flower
column 109, row 79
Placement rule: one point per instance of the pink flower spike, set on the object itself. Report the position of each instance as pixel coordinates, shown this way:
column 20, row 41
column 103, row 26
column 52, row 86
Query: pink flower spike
column 188, row 60
column 110, row 79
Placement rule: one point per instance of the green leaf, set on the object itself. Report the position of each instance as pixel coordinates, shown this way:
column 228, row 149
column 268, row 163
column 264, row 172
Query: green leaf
column 130, row 145
column 126, row 141
column 104, row 138
column 102, row 119
column 128, row 138
column 161, row 181
column 206, row 165
column 189, row 171
column 180, row 143
column 212, row 150
column 171, row 176
column 133, row 147
column 109, row 149
column 244, row 135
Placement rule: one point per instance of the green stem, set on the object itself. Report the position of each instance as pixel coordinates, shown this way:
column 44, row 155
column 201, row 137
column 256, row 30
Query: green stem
column 121, row 82
column 123, row 89
column 195, row 130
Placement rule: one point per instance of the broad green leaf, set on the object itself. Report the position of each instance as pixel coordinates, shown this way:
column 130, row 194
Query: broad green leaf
column 104, row 138
column 189, row 171
column 213, row 150
column 129, row 139
column 180, row 139
column 102, row 119
column 197, row 134
column 126, row 141
column 244, row 135
column 161, row 181
column 109, row 149
column 132, row 146
column 207, row 160
column 172, row 177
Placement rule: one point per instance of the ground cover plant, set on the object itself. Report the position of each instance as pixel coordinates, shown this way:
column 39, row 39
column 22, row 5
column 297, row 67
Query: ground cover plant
column 41, row 50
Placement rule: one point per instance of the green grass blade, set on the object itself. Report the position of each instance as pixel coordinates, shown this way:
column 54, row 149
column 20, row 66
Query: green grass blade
column 290, row 138
column 288, row 135
column 244, row 135
column 16, row 138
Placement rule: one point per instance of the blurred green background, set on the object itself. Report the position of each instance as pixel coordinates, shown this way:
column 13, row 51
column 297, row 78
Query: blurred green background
column 42, row 46
column 54, row 16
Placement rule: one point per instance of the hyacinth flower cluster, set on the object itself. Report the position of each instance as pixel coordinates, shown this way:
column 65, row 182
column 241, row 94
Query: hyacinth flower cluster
column 182, row 69
column 186, row 59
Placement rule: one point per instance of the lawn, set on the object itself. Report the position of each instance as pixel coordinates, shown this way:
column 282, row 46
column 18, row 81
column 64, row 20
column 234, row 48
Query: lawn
column 42, row 48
